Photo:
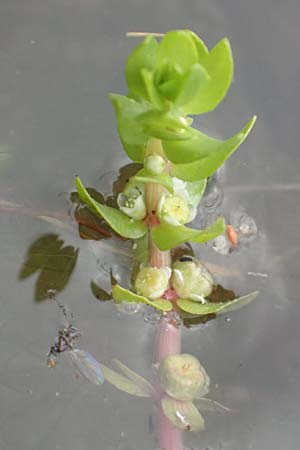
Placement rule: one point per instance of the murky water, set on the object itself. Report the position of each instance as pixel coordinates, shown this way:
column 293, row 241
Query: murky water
column 58, row 61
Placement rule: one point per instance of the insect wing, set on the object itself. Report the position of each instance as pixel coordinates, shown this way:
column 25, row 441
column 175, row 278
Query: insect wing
column 87, row 365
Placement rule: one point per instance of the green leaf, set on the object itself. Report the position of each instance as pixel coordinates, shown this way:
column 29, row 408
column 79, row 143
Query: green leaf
column 167, row 236
column 182, row 414
column 196, row 190
column 177, row 48
column 193, row 86
column 216, row 308
column 123, row 383
column 207, row 165
column 152, row 93
column 124, row 295
column 143, row 176
column 201, row 145
column 116, row 219
column 131, row 132
column 164, row 125
column 218, row 64
column 142, row 57
column 144, row 385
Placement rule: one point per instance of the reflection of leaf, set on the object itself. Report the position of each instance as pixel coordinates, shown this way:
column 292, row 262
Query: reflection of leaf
column 123, row 383
column 124, row 295
column 215, row 308
column 55, row 263
column 100, row 293
column 220, row 294
column 183, row 414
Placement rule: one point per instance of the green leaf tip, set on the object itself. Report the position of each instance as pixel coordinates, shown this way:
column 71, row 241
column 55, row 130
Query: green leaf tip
column 116, row 219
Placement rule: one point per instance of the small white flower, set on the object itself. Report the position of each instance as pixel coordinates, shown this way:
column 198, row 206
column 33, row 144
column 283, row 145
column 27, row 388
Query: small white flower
column 174, row 210
column 132, row 204
column 151, row 282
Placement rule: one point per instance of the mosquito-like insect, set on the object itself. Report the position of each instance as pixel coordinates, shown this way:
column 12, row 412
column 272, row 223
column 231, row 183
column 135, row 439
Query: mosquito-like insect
column 66, row 339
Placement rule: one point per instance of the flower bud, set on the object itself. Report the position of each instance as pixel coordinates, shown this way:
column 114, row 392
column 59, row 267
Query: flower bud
column 133, row 204
column 151, row 282
column 155, row 164
column 182, row 377
column 191, row 280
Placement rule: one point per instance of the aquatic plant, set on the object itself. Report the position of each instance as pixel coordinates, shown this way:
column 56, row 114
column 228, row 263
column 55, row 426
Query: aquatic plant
column 168, row 82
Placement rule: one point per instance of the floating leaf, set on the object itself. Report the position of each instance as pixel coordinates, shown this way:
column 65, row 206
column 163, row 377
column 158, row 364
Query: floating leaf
column 124, row 295
column 183, row 414
column 131, row 132
column 144, row 385
column 87, row 365
column 123, row 383
column 143, row 176
column 116, row 219
column 167, row 236
column 216, row 308
column 53, row 260
column 205, row 166
column 142, row 57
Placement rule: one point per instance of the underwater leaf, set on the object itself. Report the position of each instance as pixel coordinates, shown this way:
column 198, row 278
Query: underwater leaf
column 142, row 57
column 183, row 414
column 124, row 295
column 144, row 385
column 164, row 125
column 218, row 64
column 116, row 219
column 87, row 365
column 167, row 236
column 123, row 383
column 53, row 260
column 100, row 293
column 207, row 404
column 143, row 176
column 177, row 48
column 205, row 166
column 201, row 145
column 131, row 132
column 216, row 308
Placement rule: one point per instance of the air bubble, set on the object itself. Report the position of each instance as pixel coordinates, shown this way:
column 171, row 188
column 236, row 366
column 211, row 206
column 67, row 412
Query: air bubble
column 245, row 226
column 213, row 196
column 152, row 315
column 128, row 308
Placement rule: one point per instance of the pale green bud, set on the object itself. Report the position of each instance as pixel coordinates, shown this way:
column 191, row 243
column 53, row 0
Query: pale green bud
column 155, row 164
column 182, row 377
column 151, row 282
column 191, row 280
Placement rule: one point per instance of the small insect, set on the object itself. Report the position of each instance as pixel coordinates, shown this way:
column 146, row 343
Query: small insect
column 65, row 340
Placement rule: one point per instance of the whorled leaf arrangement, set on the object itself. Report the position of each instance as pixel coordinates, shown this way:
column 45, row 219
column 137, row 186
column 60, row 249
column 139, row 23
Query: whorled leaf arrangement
column 168, row 81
